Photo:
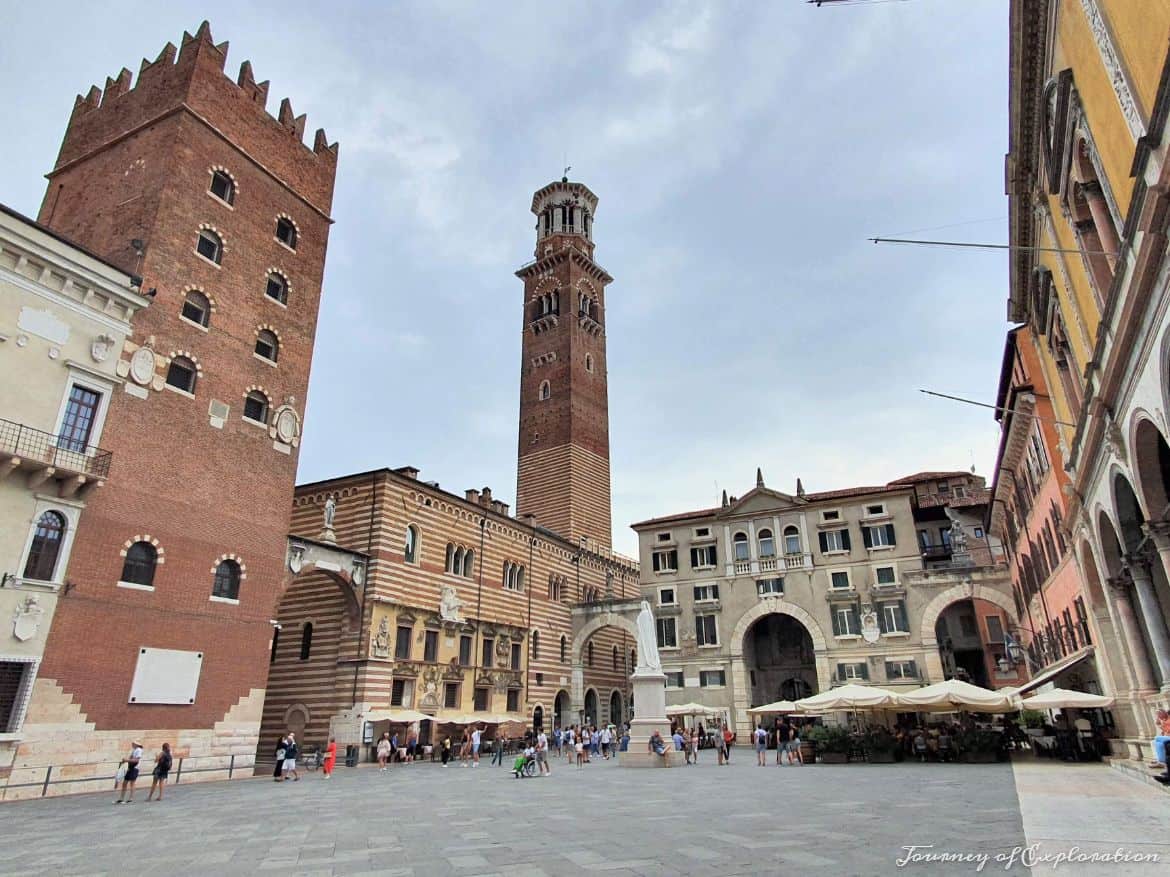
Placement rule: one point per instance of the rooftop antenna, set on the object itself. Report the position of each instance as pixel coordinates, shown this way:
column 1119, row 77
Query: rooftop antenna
column 568, row 167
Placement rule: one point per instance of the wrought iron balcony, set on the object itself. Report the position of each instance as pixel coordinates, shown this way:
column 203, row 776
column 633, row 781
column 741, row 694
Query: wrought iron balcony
column 44, row 455
column 936, row 552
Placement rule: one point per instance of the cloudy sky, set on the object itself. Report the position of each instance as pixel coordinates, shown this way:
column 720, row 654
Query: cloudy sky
column 742, row 152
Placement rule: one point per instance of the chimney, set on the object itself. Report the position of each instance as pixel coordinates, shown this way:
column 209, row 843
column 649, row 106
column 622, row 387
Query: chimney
column 471, row 495
column 408, row 471
column 504, row 508
column 485, row 496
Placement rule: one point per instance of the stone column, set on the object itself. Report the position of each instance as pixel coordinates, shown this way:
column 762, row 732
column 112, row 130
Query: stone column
column 649, row 716
column 1135, row 644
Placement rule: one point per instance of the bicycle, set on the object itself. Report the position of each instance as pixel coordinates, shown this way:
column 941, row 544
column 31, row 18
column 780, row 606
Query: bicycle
column 315, row 759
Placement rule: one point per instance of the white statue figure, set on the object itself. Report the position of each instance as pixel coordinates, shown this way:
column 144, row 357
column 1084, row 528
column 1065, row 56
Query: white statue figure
column 382, row 640
column 449, row 604
column 27, row 619
column 330, row 511
column 958, row 537
column 647, row 640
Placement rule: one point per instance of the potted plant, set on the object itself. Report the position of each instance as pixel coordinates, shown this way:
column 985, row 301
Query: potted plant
column 978, row 746
column 1032, row 721
column 881, row 747
column 833, row 743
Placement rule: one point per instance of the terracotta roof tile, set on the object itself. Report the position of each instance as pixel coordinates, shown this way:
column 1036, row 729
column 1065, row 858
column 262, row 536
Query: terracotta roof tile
column 930, row 476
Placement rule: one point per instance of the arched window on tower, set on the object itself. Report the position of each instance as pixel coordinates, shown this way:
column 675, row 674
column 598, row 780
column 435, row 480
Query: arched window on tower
column 139, row 565
column 306, row 640
column 545, row 391
column 589, row 362
column 589, row 658
column 468, row 563
column 535, row 645
column 564, row 647
column 615, row 658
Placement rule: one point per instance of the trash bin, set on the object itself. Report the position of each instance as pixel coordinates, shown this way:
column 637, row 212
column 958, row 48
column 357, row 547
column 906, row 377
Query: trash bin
column 351, row 755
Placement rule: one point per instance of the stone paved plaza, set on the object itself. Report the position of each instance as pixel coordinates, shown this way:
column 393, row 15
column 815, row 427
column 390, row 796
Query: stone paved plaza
column 424, row 820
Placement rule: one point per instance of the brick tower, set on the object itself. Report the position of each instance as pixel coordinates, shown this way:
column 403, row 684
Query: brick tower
column 563, row 472
column 177, row 567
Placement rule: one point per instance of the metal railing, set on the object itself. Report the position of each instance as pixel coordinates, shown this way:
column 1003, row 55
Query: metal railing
column 48, row 780
column 59, row 451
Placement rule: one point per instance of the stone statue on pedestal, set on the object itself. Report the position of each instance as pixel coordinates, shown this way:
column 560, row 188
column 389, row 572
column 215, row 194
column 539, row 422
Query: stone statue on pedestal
column 648, row 641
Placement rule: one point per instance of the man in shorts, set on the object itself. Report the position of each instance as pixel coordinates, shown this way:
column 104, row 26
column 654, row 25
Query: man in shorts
column 783, row 736
column 476, row 735
column 542, row 754
column 290, row 758
column 131, row 775
column 761, row 740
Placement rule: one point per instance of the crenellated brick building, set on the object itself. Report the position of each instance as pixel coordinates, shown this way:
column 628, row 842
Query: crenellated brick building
column 184, row 179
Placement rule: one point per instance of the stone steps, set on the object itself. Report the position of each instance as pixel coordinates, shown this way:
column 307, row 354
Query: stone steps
column 1138, row 771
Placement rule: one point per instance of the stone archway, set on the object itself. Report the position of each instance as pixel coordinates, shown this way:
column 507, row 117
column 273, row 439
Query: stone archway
column 1151, row 460
column 561, row 710
column 616, row 715
column 589, row 620
column 936, row 607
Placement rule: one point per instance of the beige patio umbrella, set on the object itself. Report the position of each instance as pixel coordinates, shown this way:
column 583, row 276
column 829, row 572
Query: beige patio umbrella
column 954, row 695
column 850, row 697
column 780, row 706
column 691, row 709
column 1063, row 698
column 398, row 715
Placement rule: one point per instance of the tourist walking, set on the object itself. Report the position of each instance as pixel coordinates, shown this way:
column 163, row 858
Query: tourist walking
column 291, row 750
column 330, row 757
column 794, row 755
column 130, row 774
column 542, row 754
column 783, row 735
column 694, row 745
column 278, row 754
column 606, row 741
column 761, row 746
column 162, row 769
column 498, row 750
column 445, row 750
column 476, row 737
column 567, row 740
column 385, row 747
column 679, row 744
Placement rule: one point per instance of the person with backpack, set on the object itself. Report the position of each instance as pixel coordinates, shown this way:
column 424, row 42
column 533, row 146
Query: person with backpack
column 162, row 769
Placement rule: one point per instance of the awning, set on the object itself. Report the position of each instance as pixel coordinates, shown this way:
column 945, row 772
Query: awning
column 1053, row 670
column 1060, row 699
column 403, row 715
column 692, row 709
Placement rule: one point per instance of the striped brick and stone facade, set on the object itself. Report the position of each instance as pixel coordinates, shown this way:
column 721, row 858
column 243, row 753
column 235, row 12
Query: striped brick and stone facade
column 438, row 595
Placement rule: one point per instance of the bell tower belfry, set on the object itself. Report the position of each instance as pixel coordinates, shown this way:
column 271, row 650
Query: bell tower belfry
column 563, row 473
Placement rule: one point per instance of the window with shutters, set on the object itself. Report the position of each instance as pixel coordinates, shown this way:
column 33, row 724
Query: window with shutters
column 256, row 407
column 276, row 287
column 770, row 587
column 703, row 557
column 181, row 374
column 286, row 232
column 846, row 621
column 667, row 630
column 995, row 626
column 839, row 579
column 834, row 540
column 674, row 679
column 401, row 692
column 402, row 642
column 464, row 651
column 489, row 646
column 209, row 245
column 196, row 308
column 712, row 678
column 223, row 187
column 848, row 672
column 892, row 617
column 706, row 631
column 896, row 670
column 666, row 597
column 879, row 537
column 480, row 704
column 431, row 646
column 666, row 561
column 267, row 345
column 885, row 576
column 706, row 593
column 516, row 656
column 513, row 700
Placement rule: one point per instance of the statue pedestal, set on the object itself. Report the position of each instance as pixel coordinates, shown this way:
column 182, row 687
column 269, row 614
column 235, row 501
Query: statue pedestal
column 649, row 716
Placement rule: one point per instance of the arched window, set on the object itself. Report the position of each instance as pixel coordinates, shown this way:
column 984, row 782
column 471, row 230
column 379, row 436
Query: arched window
column 520, row 578
column 564, row 647
column 615, row 653
column 306, row 640
column 509, row 580
column 589, row 659
column 196, row 308
column 46, row 547
column 222, row 187
column 589, row 362
column 450, row 557
column 277, row 287
column 535, row 645
column 286, row 232
column 410, row 555
column 545, row 391
column 741, row 546
column 275, row 640
column 267, row 345
column 256, row 406
column 791, row 540
column 767, row 544
column 227, row 580
column 556, row 301
column 139, row 565
column 457, row 563
column 633, row 657
column 181, row 374
column 468, row 563
column 209, row 245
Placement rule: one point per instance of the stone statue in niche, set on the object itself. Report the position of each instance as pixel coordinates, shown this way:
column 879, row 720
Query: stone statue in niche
column 382, row 639
column 870, row 629
column 449, row 605
column 330, row 511
column 27, row 619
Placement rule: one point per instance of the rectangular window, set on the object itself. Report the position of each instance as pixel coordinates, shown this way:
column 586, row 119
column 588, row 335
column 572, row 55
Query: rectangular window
column 77, row 424
column 924, row 539
column 901, row 670
column 840, row 580
column 978, row 532
column 451, row 695
column 481, row 700
column 465, row 651
column 663, row 537
column 674, row 679
column 847, row 672
column 967, row 625
column 667, row 633
column 666, row 561
column 892, row 617
column 702, row 532
column 666, row 597
column 764, row 587
column 834, row 540
column 402, row 642
column 943, row 487
column 705, row 631
column 12, row 679
column 489, row 646
column 400, row 692
column 706, row 593
column 995, row 627
column 873, row 510
column 833, row 515
column 884, row 575
column 1083, row 621
column 710, row 678
column 431, row 646
column 879, row 537
column 845, row 621
column 513, row 700
column 703, row 557
column 515, row 657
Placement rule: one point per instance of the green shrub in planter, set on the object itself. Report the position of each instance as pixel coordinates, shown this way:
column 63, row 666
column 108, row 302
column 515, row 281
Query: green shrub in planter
column 979, row 745
column 830, row 739
column 1032, row 718
column 881, row 746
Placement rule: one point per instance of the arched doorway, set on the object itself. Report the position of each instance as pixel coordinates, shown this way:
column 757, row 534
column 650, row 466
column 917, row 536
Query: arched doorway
column 538, row 719
column 960, row 645
column 561, row 710
column 615, row 708
column 778, row 654
column 590, row 717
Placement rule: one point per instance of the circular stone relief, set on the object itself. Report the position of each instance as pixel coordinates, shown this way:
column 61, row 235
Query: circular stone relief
column 142, row 365
column 287, row 425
